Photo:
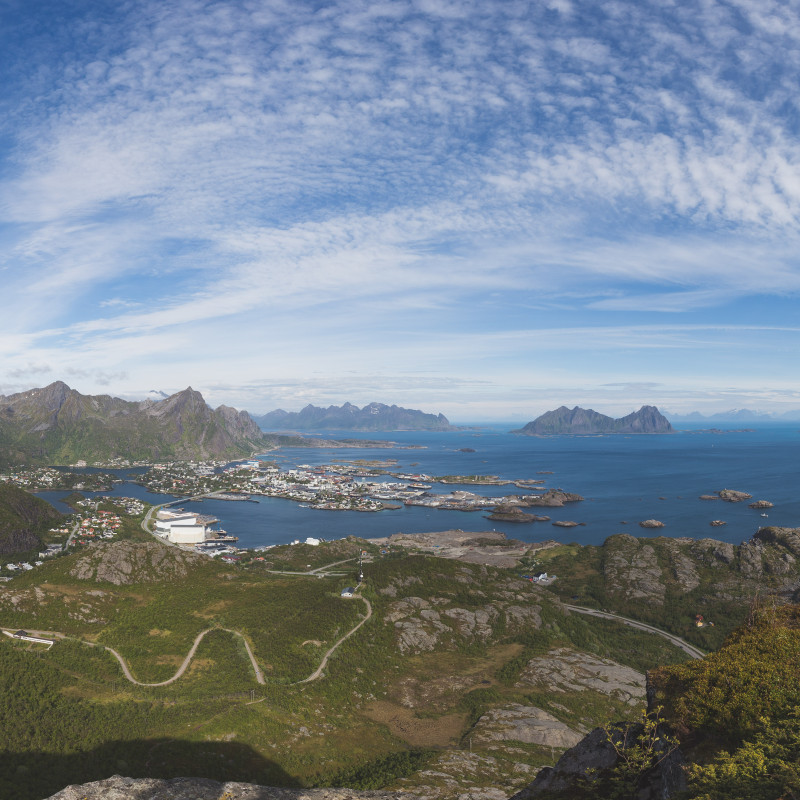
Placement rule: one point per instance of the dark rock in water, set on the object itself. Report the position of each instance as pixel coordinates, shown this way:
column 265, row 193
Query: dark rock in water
column 466, row 449
column 708, row 497
column 509, row 513
column 762, row 504
column 732, row 496
column 717, row 523
column 553, row 498
column 651, row 523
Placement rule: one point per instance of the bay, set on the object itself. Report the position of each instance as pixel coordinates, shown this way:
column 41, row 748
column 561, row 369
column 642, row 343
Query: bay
column 622, row 478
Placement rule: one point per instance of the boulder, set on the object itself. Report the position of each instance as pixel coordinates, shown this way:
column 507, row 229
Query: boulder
column 119, row 788
column 526, row 724
column 563, row 670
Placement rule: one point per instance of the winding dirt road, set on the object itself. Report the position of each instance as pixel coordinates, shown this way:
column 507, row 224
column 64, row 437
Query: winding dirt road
column 317, row 673
column 186, row 661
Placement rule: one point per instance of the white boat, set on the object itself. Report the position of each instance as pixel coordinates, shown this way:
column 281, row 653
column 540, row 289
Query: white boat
column 765, row 515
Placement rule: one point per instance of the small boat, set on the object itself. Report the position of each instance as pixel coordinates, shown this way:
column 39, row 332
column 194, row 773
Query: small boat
column 765, row 515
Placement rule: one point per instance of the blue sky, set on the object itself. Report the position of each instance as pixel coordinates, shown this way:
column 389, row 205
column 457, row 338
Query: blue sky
column 486, row 209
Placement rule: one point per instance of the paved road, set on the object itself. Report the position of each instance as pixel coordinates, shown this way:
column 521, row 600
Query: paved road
column 72, row 536
column 186, row 661
column 694, row 652
column 317, row 673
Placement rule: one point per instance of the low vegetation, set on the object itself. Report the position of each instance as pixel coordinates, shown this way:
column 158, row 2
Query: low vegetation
column 74, row 717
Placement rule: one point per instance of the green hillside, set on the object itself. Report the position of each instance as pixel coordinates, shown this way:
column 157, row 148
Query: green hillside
column 58, row 425
column 22, row 519
column 447, row 646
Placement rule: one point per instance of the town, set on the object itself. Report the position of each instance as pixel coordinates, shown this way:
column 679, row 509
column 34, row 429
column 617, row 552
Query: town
column 350, row 486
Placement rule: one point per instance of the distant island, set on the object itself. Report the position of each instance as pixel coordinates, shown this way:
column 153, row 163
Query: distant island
column 648, row 419
column 372, row 417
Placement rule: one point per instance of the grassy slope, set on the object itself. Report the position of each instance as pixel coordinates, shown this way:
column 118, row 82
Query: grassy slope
column 73, row 712
column 23, row 518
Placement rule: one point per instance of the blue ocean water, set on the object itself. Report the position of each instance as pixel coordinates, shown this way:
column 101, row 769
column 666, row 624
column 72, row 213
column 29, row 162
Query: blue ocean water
column 624, row 479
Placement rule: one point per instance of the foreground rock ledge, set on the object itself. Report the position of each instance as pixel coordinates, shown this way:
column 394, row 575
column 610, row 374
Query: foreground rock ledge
column 119, row 788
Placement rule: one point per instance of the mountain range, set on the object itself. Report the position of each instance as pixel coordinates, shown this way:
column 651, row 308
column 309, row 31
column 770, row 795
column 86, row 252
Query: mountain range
column 58, row 425
column 372, row 417
column 648, row 419
column 738, row 415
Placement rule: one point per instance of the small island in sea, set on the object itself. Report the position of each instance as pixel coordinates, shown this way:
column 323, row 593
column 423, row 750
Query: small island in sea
column 648, row 419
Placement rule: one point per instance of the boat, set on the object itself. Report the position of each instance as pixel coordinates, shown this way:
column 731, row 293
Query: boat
column 765, row 515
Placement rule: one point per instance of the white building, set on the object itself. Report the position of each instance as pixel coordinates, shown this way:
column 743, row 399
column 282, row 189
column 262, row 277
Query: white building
column 182, row 529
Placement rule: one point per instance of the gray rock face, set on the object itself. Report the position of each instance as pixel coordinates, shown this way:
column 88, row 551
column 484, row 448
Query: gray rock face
column 519, row 617
column 526, row 724
column 595, row 754
column 421, row 627
column 685, row 572
column 123, row 563
column 564, row 670
column 712, row 552
column 632, row 569
column 118, row 788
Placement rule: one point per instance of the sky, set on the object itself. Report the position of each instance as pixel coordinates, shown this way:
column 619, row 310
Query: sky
column 485, row 209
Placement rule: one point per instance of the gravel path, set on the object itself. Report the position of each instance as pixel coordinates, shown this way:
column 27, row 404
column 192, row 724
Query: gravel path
column 186, row 661
column 317, row 673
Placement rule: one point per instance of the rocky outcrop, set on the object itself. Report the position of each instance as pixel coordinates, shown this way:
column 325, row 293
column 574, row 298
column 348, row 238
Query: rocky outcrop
column 421, row 627
column 563, row 670
column 123, row 563
column 760, row 504
column 553, row 498
column 508, row 513
column 592, row 759
column 732, row 496
column 526, row 724
column 651, row 523
column 631, row 568
column 119, row 788
column 712, row 552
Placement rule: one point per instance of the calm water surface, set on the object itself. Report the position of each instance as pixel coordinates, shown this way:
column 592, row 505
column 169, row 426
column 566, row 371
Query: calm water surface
column 622, row 478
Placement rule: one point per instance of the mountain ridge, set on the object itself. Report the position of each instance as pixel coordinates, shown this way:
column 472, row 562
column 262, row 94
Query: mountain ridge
column 577, row 420
column 372, row 417
column 57, row 424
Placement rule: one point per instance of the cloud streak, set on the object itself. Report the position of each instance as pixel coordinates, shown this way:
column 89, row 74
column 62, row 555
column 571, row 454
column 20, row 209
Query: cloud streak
column 352, row 176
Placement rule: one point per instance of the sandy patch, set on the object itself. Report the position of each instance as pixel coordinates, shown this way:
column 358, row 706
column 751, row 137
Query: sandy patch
column 404, row 724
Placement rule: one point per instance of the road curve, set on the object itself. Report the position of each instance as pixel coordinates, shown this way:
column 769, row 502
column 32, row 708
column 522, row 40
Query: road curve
column 694, row 652
column 186, row 661
column 317, row 673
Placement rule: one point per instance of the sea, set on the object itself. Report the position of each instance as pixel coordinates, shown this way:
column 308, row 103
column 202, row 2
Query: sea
column 623, row 480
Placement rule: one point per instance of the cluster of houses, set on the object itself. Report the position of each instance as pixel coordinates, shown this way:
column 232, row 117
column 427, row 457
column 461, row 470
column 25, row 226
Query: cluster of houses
column 22, row 566
column 97, row 525
column 42, row 478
